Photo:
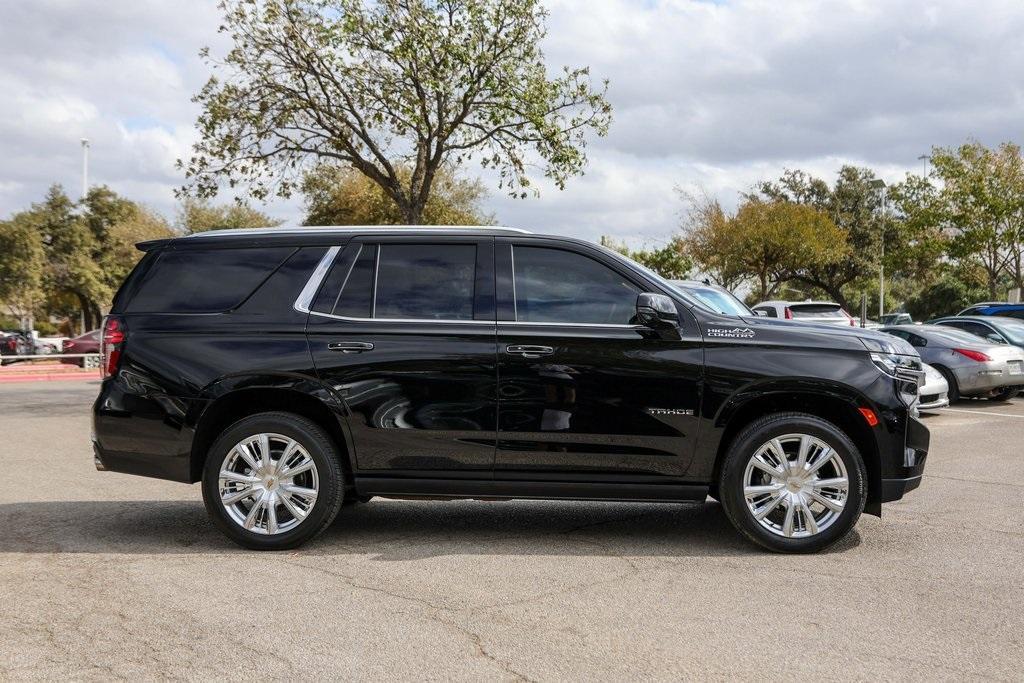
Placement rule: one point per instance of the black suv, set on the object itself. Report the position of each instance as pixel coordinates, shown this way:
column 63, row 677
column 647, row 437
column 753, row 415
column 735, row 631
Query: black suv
column 293, row 371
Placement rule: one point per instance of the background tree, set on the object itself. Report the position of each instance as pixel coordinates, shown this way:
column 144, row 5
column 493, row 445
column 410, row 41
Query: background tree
column 22, row 261
column 375, row 85
column 710, row 239
column 855, row 208
column 981, row 207
column 775, row 241
column 339, row 195
column 953, row 288
column 670, row 261
column 195, row 215
column 72, row 266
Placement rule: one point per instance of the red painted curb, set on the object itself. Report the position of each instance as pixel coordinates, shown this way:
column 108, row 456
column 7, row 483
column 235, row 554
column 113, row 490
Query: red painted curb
column 49, row 377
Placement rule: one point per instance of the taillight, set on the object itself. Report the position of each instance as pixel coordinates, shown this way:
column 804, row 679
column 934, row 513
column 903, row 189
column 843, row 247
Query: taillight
column 114, row 334
column 788, row 313
column 973, row 355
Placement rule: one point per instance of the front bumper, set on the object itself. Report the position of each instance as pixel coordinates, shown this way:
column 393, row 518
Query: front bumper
column 933, row 401
column 907, row 476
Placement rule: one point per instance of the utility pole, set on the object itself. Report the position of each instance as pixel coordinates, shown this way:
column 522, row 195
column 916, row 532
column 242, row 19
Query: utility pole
column 85, row 167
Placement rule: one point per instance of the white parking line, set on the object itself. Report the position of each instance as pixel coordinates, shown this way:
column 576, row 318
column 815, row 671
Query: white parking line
column 979, row 412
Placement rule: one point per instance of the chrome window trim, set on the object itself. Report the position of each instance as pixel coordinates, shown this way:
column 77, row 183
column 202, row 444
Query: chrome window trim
column 376, row 274
column 305, row 298
column 471, row 322
column 402, row 320
column 305, row 301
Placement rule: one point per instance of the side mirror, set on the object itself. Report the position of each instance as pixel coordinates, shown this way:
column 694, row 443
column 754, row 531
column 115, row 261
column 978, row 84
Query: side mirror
column 761, row 312
column 656, row 311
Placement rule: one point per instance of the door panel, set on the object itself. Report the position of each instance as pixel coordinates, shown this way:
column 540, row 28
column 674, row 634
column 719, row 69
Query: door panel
column 421, row 393
column 605, row 400
column 583, row 393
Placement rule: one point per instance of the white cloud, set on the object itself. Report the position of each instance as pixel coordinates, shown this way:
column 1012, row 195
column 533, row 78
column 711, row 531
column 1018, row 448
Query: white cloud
column 707, row 95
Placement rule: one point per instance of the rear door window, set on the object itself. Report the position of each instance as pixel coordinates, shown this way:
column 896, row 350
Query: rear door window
column 205, row 280
column 410, row 282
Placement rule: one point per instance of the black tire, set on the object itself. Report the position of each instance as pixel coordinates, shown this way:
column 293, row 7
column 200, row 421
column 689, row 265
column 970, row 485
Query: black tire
column 1005, row 394
column 747, row 443
column 953, row 394
column 320, row 448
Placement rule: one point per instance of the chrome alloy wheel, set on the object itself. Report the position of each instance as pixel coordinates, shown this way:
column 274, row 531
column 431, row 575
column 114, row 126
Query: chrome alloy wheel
column 268, row 483
column 795, row 485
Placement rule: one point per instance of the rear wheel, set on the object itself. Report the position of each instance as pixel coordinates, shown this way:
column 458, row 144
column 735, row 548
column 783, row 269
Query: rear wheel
column 1005, row 394
column 272, row 481
column 793, row 482
column 954, row 388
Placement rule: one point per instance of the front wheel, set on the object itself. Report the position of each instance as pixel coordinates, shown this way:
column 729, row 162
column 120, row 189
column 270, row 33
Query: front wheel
column 793, row 482
column 272, row 481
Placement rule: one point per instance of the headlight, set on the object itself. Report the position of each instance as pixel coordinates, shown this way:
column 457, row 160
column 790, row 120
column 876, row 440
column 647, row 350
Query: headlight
column 906, row 370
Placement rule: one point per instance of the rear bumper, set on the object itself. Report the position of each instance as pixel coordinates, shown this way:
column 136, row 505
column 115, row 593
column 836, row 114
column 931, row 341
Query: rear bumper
column 985, row 377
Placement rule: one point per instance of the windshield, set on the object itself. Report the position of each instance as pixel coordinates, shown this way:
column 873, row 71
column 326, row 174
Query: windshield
column 714, row 299
column 709, row 298
column 1012, row 329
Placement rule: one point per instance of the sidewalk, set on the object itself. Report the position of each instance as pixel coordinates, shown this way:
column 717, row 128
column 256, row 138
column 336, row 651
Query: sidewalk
column 45, row 371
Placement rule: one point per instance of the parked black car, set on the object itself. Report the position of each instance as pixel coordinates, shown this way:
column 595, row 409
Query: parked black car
column 290, row 370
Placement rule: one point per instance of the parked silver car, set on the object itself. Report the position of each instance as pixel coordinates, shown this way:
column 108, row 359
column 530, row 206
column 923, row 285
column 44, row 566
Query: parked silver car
column 934, row 394
column 825, row 312
column 971, row 365
column 993, row 328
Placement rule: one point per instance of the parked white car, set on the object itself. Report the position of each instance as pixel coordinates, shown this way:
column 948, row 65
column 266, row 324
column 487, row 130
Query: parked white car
column 827, row 312
column 935, row 392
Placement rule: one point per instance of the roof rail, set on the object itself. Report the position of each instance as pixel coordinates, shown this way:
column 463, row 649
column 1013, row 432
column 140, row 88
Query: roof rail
column 303, row 230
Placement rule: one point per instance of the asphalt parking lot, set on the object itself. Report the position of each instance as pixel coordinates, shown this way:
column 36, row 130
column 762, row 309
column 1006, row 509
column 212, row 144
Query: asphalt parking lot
column 110, row 576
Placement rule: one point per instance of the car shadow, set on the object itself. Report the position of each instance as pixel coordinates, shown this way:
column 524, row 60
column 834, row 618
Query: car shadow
column 393, row 530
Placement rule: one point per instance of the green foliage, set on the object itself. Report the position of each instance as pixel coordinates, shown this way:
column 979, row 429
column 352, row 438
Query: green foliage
column 199, row 216
column 338, row 195
column 81, row 252
column 670, row 262
column 362, row 84
column 855, row 208
column 981, row 207
column 950, row 293
column 709, row 239
column 22, row 263
column 768, row 242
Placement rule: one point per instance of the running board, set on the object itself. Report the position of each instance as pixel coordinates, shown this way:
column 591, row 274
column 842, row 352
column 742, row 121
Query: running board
column 557, row 490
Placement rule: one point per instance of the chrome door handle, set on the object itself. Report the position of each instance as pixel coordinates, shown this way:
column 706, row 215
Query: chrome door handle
column 529, row 351
column 350, row 347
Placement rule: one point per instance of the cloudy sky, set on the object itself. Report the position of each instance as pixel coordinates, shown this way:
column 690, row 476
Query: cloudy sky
column 708, row 97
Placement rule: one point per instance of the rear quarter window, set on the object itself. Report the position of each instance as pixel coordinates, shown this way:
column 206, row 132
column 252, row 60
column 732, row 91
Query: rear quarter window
column 816, row 311
column 205, row 280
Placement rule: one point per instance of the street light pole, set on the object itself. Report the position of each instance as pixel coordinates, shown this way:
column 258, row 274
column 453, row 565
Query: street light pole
column 85, row 167
column 924, row 158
